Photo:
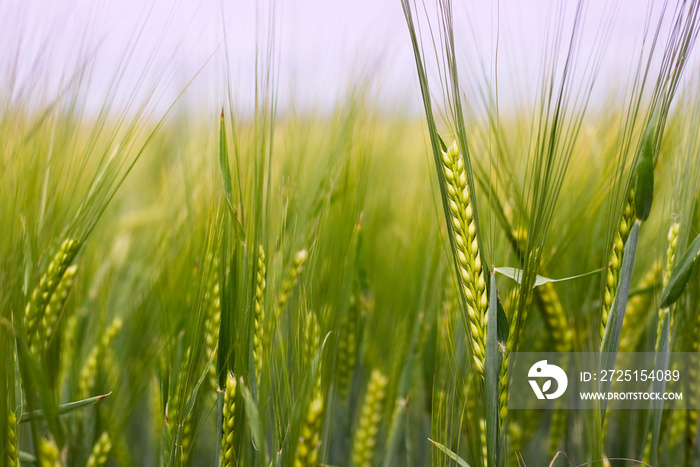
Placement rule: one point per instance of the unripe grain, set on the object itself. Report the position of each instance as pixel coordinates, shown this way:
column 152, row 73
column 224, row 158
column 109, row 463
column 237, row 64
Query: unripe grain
column 227, row 442
column 259, row 316
column 470, row 272
column 368, row 425
column 613, row 270
column 100, row 452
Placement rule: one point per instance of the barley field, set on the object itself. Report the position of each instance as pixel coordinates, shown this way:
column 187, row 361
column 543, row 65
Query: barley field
column 249, row 283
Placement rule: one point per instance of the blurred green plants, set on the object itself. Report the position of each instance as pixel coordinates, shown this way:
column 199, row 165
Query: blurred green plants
column 259, row 289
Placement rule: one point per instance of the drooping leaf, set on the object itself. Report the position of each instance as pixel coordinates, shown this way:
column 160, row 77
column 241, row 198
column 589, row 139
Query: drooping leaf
column 517, row 274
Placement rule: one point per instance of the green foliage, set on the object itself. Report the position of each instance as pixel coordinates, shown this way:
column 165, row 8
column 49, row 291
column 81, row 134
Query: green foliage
column 269, row 289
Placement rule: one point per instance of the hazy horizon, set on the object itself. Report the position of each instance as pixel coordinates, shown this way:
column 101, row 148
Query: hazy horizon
column 322, row 48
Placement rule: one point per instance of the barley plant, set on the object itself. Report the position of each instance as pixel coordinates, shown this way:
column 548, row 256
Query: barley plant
column 252, row 283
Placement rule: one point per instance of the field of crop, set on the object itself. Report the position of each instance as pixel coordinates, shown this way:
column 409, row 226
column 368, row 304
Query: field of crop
column 347, row 288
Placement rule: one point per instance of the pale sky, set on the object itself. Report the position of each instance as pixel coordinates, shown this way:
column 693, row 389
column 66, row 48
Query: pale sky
column 323, row 45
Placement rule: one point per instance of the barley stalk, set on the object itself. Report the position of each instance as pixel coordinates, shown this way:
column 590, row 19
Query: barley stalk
column 259, row 316
column 368, row 425
column 613, row 270
column 470, row 272
column 12, row 449
column 229, row 410
column 100, row 452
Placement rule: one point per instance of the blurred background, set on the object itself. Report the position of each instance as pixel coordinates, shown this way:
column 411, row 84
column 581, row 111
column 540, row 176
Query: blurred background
column 322, row 47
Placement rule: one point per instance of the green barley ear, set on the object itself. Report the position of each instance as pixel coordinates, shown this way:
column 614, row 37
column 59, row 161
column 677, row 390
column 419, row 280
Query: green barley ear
column 259, row 316
column 347, row 347
column 48, row 454
column 38, row 301
column 306, row 454
column 229, row 410
column 613, row 271
column 670, row 257
column 12, row 449
column 88, row 374
column 100, row 452
column 554, row 316
column 311, row 338
column 471, row 275
column 56, row 302
column 289, row 282
column 368, row 425
column 213, row 320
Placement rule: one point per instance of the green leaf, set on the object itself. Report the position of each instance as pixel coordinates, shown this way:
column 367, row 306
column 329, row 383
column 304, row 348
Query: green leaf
column 613, row 328
column 64, row 409
column 517, row 274
column 681, row 274
column 461, row 462
column 491, row 374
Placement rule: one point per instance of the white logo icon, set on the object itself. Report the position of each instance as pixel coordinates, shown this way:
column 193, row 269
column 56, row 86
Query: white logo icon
column 542, row 370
